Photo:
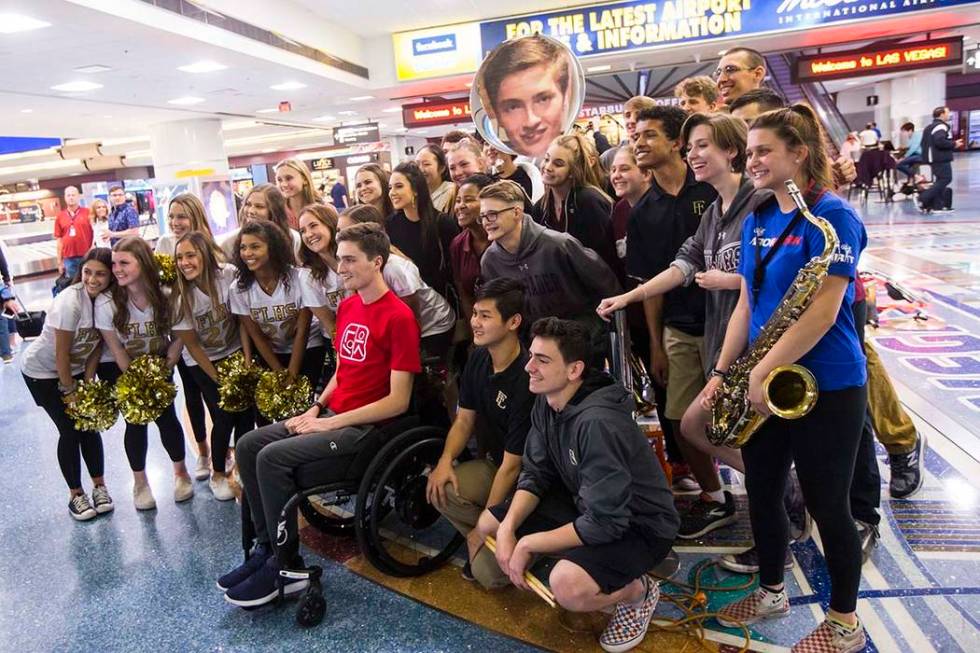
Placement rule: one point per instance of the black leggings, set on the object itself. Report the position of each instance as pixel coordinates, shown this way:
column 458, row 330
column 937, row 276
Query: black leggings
column 866, row 485
column 824, row 446
column 223, row 422
column 311, row 368
column 194, row 400
column 171, row 433
column 71, row 441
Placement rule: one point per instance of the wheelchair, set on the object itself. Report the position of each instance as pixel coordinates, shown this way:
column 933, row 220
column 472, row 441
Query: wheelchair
column 381, row 501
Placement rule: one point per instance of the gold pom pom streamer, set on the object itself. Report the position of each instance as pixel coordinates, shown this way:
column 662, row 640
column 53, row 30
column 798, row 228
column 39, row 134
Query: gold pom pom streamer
column 145, row 390
column 93, row 407
column 168, row 268
column 236, row 383
column 278, row 398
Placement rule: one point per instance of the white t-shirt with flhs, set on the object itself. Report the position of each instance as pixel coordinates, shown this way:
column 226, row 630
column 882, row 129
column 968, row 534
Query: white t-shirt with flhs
column 276, row 313
column 141, row 335
column 73, row 311
column 215, row 324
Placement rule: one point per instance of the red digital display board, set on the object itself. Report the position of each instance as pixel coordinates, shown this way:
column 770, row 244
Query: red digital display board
column 874, row 61
column 436, row 113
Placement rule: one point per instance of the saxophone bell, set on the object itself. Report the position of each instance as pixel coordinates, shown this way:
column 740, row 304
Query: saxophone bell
column 790, row 391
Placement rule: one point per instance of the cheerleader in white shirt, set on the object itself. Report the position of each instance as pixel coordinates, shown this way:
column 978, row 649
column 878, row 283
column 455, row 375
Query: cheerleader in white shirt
column 184, row 215
column 210, row 332
column 69, row 348
column 268, row 297
column 262, row 203
column 325, row 291
column 135, row 320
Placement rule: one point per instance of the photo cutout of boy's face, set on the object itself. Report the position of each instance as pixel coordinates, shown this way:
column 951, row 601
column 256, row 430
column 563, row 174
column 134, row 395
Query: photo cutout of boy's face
column 531, row 108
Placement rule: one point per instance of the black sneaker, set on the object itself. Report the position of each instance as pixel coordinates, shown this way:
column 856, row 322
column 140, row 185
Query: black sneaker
column 907, row 470
column 259, row 556
column 869, row 538
column 101, row 500
column 80, row 508
column 261, row 588
column 747, row 562
column 467, row 572
column 705, row 516
column 800, row 523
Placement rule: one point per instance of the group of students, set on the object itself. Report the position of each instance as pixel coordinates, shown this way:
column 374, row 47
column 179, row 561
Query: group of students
column 704, row 236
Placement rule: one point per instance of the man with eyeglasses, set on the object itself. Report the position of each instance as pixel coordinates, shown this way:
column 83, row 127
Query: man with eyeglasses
column 739, row 71
column 123, row 220
column 561, row 276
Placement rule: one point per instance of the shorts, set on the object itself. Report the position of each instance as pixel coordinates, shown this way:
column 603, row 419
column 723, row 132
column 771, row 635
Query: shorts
column 612, row 565
column 685, row 370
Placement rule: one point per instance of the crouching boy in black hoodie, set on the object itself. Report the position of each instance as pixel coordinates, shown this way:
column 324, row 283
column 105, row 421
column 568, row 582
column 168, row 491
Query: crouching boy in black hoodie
column 591, row 492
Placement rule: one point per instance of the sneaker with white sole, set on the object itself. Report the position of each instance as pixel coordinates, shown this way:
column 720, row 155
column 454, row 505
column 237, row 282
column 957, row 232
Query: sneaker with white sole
column 705, row 516
column 830, row 637
column 143, row 497
column 629, row 623
column 261, row 587
column 760, row 604
column 203, row 469
column 220, row 488
column 256, row 559
column 906, row 470
column 101, row 500
column 80, row 508
column 183, row 489
column 747, row 562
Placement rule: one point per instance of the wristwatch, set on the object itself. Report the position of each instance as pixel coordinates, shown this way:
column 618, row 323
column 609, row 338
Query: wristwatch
column 718, row 373
column 66, row 390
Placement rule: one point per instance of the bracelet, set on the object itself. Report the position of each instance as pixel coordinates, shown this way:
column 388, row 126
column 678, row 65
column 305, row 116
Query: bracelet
column 319, row 405
column 66, row 390
column 718, row 373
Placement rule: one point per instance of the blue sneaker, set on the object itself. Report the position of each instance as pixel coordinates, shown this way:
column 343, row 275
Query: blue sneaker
column 255, row 561
column 260, row 588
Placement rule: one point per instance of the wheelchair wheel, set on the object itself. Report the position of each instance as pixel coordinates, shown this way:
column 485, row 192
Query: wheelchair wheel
column 312, row 607
column 397, row 529
column 328, row 517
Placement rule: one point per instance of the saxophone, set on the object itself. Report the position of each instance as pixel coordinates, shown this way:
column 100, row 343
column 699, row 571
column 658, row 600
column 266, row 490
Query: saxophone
column 790, row 390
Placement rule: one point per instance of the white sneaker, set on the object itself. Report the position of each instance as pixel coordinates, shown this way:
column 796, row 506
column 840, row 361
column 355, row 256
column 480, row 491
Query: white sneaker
column 143, row 497
column 203, row 469
column 183, row 489
column 221, row 489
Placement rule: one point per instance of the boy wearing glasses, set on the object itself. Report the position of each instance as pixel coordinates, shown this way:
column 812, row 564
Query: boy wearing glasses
column 739, row 71
column 561, row 276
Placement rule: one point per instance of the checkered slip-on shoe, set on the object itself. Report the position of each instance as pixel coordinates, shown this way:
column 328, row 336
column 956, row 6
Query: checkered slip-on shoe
column 629, row 624
column 753, row 608
column 830, row 638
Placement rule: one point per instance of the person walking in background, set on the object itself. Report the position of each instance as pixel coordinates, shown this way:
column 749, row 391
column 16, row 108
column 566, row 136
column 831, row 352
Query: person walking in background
column 338, row 193
column 937, row 151
column 73, row 233
column 123, row 219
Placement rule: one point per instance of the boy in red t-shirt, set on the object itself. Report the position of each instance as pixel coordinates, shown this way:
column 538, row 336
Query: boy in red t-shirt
column 377, row 358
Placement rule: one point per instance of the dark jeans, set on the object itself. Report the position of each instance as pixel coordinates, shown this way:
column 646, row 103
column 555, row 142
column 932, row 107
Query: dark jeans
column 932, row 197
column 866, row 485
column 824, row 446
column 222, row 422
column 71, row 441
column 135, row 440
column 907, row 165
column 194, row 401
column 267, row 461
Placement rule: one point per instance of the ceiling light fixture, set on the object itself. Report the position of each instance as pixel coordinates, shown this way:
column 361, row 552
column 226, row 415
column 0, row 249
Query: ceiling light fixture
column 76, row 87
column 274, row 110
column 27, row 110
column 598, row 69
column 361, row 98
column 202, row 67
column 13, row 23
column 347, row 113
column 288, row 86
column 392, row 110
column 324, row 119
column 186, row 100
column 91, row 70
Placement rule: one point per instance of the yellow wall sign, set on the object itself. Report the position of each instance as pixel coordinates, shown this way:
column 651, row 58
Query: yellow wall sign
column 437, row 51
column 198, row 172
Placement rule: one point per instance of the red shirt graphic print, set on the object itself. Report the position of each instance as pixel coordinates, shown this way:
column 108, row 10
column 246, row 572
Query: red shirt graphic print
column 372, row 340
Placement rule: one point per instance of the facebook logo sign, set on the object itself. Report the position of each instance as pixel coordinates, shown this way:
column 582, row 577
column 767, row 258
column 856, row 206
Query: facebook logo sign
column 432, row 44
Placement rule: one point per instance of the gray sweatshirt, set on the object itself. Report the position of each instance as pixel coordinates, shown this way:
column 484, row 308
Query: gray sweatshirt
column 717, row 245
column 562, row 278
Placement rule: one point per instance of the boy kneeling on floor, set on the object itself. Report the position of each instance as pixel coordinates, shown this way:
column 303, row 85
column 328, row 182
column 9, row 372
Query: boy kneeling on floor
column 591, row 492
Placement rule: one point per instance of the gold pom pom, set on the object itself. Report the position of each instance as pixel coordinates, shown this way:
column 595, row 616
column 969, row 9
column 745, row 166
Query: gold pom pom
column 145, row 390
column 236, row 383
column 168, row 268
column 278, row 398
column 93, row 407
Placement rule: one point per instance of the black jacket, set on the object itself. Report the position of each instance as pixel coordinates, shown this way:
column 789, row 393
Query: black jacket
column 594, row 449
column 937, row 143
column 587, row 215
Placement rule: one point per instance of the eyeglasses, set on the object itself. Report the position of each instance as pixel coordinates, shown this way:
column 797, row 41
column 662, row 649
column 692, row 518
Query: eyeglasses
column 727, row 71
column 491, row 216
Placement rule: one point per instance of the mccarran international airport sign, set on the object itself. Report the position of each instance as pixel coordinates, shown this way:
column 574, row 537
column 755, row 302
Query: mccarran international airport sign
column 621, row 26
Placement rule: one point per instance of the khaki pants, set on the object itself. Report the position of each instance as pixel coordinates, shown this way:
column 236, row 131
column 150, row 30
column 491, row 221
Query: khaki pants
column 463, row 511
column 685, row 370
column 892, row 424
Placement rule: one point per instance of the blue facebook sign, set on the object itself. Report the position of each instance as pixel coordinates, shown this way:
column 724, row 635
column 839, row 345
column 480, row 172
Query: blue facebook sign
column 12, row 144
column 433, row 44
column 619, row 26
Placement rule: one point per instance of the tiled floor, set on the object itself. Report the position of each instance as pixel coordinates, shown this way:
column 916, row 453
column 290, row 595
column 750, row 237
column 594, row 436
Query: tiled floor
column 144, row 582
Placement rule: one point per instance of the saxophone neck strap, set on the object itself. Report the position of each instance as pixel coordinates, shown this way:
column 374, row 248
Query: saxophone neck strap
column 759, row 274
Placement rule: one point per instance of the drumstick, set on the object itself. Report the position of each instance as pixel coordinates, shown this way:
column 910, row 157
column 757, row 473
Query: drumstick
column 533, row 581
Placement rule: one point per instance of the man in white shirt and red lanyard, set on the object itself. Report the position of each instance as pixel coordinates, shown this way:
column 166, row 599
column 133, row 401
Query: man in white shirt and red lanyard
column 377, row 360
column 73, row 232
